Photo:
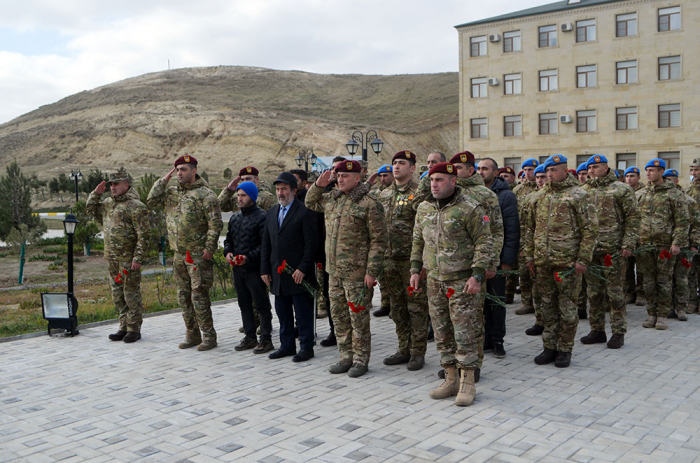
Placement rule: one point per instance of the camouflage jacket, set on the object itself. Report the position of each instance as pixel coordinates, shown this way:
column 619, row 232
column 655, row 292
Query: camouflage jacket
column 453, row 241
column 193, row 215
column 617, row 211
column 399, row 216
column 693, row 219
column 228, row 200
column 474, row 188
column 638, row 187
column 523, row 190
column 124, row 222
column 561, row 225
column 665, row 220
column 693, row 189
column 355, row 230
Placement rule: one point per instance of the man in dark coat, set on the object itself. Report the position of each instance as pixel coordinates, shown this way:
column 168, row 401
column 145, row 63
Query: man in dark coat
column 494, row 313
column 291, row 236
column 242, row 248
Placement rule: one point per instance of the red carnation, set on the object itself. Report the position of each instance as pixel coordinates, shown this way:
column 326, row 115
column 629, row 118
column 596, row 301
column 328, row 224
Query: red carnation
column 126, row 272
column 374, row 284
column 685, row 263
column 608, row 260
column 319, row 266
column 188, row 259
column 557, row 278
column 450, row 292
column 118, row 278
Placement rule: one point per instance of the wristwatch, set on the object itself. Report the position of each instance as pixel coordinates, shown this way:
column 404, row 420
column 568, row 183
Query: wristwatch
column 479, row 277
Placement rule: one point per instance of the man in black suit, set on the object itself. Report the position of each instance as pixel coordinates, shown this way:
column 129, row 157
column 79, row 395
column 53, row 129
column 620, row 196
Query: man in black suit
column 291, row 235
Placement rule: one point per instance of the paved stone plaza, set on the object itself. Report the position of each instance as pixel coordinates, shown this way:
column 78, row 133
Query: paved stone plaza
column 89, row 399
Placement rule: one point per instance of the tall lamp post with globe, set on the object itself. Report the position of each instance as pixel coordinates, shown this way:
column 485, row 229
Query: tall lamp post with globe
column 359, row 141
column 306, row 157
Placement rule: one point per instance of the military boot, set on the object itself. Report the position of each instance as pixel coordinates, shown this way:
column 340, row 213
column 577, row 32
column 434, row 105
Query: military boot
column 467, row 389
column 524, row 310
column 416, row 363
column 382, row 312
column 692, row 308
column 594, row 337
column 477, row 374
column 650, row 322
column 358, row 369
column 341, row 367
column 630, row 298
column 449, row 387
column 193, row 338
column 661, row 323
column 118, row 336
column 547, row 356
column 132, row 336
column 641, row 300
column 681, row 315
column 616, row 341
column 208, row 344
column 563, row 359
column 535, row 330
column 397, row 359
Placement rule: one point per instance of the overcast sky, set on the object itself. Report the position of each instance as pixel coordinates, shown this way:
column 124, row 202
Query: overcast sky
column 52, row 49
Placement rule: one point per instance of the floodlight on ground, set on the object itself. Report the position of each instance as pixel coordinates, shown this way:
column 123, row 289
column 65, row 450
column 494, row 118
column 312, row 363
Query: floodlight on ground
column 60, row 310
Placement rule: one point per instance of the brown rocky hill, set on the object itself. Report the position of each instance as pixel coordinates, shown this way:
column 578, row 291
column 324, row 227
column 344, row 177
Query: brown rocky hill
column 230, row 116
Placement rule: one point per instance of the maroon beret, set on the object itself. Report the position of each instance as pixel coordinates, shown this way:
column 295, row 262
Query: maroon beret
column 407, row 155
column 463, row 158
column 506, row 170
column 186, row 160
column 443, row 168
column 250, row 170
column 349, row 166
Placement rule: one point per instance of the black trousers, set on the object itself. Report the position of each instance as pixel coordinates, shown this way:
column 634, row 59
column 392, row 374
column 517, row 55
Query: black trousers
column 494, row 314
column 250, row 287
column 301, row 307
column 327, row 296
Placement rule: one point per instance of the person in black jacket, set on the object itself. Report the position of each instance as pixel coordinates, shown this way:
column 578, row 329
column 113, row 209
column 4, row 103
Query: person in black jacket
column 242, row 248
column 291, row 235
column 494, row 313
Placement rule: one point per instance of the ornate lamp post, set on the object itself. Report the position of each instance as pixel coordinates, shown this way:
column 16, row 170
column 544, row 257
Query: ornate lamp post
column 76, row 176
column 358, row 141
column 306, row 157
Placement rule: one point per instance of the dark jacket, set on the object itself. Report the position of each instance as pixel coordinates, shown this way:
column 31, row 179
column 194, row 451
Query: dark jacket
column 511, row 223
column 296, row 242
column 244, row 237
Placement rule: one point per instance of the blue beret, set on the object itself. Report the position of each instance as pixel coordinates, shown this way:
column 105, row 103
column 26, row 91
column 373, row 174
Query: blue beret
column 617, row 174
column 632, row 170
column 530, row 163
column 423, row 174
column 581, row 167
column 555, row 160
column 539, row 169
column 386, row 168
column 670, row 173
column 656, row 162
column 597, row 159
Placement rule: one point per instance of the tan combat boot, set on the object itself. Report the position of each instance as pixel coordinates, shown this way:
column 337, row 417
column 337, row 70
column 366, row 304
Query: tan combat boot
column 650, row 322
column 467, row 389
column 524, row 310
column 681, row 315
column 692, row 308
column 661, row 323
column 449, row 387
column 193, row 338
column 208, row 344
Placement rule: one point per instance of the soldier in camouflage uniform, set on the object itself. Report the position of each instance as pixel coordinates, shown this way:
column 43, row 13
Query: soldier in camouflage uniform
column 583, row 176
column 124, row 220
column 522, row 191
column 355, row 244
column 409, row 313
column 618, row 228
column 679, row 300
column 693, row 190
column 633, row 279
column 559, row 241
column 227, row 197
column 385, row 175
column 664, row 226
column 453, row 242
column 193, row 217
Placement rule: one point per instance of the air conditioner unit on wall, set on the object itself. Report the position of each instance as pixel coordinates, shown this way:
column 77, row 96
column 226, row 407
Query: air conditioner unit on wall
column 493, row 81
column 567, row 27
column 565, row 119
column 494, row 37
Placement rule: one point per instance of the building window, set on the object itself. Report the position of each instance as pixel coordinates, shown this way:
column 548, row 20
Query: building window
column 479, row 87
column 513, row 84
column 478, row 46
column 626, row 118
column 479, row 128
column 548, row 36
column 511, row 41
column 627, row 72
column 581, row 158
column 513, row 163
column 626, row 25
column 670, row 68
column 672, row 158
column 625, row 160
column 585, row 76
column 513, row 126
column 548, row 123
column 543, row 159
column 585, row 121
column 548, row 80
column 669, row 115
column 585, row 30
column 669, row 19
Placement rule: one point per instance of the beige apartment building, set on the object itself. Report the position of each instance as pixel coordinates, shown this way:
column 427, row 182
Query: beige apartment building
column 584, row 77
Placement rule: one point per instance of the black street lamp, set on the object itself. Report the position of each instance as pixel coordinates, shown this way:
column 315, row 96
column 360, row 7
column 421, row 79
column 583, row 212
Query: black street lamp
column 60, row 309
column 76, row 176
column 306, row 157
column 358, row 141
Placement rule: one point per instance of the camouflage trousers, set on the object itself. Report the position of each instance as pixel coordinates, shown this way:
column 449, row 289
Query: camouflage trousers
column 658, row 281
column 526, row 282
column 126, row 296
column 351, row 329
column 582, row 303
column 458, row 323
column 410, row 314
column 681, row 291
column 193, row 283
column 633, row 278
column 512, row 282
column 383, row 291
column 693, row 278
column 559, row 311
column 607, row 294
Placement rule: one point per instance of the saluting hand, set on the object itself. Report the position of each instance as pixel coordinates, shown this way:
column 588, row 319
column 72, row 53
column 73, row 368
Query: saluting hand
column 372, row 178
column 234, row 183
column 170, row 174
column 99, row 189
column 324, row 179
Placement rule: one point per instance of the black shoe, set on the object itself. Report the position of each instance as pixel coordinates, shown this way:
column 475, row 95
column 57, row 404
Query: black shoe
column 509, row 298
column 563, row 360
column 329, row 341
column 595, row 337
column 246, row 343
column 382, row 312
column 118, row 336
column 547, row 356
column 279, row 353
column 303, row 356
column 498, row 351
column 132, row 336
column 264, row 345
column 582, row 314
column 535, row 330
